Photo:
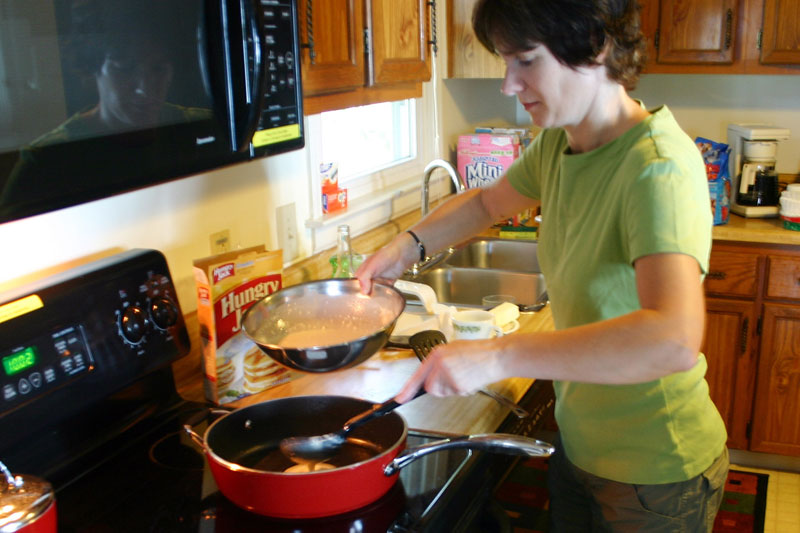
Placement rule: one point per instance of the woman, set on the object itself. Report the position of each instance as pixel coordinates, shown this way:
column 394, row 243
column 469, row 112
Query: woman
column 624, row 242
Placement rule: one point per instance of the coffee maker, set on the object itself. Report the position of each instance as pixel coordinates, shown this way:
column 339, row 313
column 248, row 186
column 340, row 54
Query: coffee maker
column 754, row 180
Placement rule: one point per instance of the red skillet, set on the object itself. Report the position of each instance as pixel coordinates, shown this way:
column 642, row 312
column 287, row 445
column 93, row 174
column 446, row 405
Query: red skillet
column 243, row 453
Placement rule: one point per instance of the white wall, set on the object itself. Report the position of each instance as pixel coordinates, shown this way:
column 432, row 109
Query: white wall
column 704, row 105
column 176, row 218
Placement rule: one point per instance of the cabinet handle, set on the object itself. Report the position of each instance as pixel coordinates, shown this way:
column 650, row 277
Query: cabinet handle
column 716, row 274
column 728, row 28
column 434, row 42
column 312, row 53
column 743, row 339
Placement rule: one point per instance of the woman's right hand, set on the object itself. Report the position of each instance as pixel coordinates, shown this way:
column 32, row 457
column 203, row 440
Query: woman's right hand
column 389, row 262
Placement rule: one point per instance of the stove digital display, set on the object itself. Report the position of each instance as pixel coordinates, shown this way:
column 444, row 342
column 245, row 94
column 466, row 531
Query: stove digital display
column 19, row 361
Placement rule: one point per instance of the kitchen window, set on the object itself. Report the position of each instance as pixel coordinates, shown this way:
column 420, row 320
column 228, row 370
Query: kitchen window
column 381, row 151
column 363, row 140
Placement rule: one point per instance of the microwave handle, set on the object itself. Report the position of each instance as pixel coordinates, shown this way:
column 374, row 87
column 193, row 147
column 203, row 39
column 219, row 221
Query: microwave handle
column 253, row 33
column 230, row 41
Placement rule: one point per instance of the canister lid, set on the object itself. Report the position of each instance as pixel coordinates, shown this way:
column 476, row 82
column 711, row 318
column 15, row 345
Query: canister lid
column 23, row 500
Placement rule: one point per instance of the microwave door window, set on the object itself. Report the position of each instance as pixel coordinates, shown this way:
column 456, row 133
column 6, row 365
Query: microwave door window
column 101, row 96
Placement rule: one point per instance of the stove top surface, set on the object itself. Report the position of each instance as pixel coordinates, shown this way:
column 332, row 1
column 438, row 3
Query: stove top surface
column 160, row 481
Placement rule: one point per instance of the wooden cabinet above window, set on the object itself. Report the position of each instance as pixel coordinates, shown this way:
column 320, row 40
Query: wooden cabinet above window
column 467, row 58
column 358, row 52
column 722, row 36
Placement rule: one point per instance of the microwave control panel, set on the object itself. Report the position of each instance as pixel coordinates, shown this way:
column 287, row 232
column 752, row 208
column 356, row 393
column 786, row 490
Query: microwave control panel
column 281, row 118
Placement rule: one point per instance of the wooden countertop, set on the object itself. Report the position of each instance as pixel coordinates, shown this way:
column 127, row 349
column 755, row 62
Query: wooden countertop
column 377, row 380
column 757, row 230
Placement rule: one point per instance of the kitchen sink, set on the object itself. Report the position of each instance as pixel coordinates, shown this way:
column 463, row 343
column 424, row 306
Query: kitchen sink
column 466, row 286
column 504, row 254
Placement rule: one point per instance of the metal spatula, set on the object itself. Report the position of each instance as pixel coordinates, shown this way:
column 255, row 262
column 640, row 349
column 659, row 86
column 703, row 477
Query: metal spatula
column 423, row 342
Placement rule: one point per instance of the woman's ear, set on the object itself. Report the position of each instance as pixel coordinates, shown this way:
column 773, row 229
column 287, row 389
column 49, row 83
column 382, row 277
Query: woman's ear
column 600, row 59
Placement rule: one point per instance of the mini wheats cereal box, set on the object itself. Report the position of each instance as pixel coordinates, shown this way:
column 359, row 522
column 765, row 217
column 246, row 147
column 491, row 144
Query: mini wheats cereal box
column 484, row 157
column 227, row 285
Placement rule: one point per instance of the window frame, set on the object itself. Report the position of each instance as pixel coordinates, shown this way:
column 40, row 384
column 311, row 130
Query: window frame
column 376, row 197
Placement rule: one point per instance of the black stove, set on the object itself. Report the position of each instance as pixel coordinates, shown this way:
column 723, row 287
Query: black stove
column 89, row 403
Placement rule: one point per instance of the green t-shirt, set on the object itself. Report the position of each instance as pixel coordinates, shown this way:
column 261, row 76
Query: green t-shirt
column 642, row 193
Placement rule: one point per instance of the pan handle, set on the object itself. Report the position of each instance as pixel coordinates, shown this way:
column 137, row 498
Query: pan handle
column 188, row 427
column 194, row 436
column 490, row 442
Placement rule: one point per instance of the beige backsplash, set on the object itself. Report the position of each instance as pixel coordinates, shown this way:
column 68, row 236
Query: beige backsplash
column 319, row 267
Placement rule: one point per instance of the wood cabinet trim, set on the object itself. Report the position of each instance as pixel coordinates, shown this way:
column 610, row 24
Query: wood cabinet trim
column 361, row 96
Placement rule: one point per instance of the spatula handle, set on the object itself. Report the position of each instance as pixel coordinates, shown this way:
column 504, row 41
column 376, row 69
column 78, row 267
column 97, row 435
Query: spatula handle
column 378, row 410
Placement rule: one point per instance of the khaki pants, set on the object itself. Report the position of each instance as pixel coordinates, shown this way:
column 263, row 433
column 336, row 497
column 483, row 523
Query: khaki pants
column 581, row 502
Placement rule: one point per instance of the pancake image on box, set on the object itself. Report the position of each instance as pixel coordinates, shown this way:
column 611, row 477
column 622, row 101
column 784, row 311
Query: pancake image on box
column 261, row 372
column 226, row 373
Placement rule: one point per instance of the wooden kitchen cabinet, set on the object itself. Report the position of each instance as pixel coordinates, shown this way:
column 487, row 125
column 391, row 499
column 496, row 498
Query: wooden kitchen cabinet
column 466, row 56
column 776, row 424
column 333, row 42
column 728, row 346
column 752, row 344
column 722, row 36
column 358, row 52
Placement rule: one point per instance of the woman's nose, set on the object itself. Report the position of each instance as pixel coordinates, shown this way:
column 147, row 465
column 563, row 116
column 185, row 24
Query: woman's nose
column 511, row 84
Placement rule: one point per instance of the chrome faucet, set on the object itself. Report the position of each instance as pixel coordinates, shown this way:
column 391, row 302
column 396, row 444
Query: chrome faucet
column 426, row 178
column 428, row 262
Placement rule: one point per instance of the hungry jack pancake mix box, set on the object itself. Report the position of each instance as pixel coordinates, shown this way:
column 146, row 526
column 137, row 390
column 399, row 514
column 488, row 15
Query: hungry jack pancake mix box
column 227, row 285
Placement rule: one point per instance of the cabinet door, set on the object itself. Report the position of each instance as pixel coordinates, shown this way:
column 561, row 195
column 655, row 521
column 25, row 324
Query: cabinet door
column 780, row 41
column 697, row 31
column 399, row 35
column 783, row 279
column 733, row 273
column 333, row 33
column 776, row 424
column 728, row 347
column 466, row 56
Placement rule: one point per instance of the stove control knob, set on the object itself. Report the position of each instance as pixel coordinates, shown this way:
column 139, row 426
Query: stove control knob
column 133, row 324
column 163, row 312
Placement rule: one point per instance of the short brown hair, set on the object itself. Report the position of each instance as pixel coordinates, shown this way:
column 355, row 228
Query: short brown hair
column 575, row 32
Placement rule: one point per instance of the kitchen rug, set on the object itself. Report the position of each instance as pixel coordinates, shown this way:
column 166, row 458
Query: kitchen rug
column 523, row 496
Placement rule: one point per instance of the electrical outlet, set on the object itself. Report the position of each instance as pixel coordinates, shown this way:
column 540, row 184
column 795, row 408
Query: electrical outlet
column 220, row 242
column 286, row 224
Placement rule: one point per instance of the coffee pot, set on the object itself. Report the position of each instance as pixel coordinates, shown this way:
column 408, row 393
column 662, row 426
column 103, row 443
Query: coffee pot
column 752, row 161
column 758, row 181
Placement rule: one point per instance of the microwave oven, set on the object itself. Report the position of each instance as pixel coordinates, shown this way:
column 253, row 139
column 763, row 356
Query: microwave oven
column 99, row 97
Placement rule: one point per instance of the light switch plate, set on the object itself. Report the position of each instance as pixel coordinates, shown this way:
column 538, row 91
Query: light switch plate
column 286, row 224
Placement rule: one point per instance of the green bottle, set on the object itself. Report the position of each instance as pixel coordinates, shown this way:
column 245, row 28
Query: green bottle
column 342, row 262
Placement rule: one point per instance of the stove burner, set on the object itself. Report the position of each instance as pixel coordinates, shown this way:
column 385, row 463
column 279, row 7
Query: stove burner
column 176, row 451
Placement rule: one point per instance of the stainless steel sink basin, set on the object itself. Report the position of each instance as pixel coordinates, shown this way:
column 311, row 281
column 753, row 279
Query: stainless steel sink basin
column 503, row 254
column 464, row 286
